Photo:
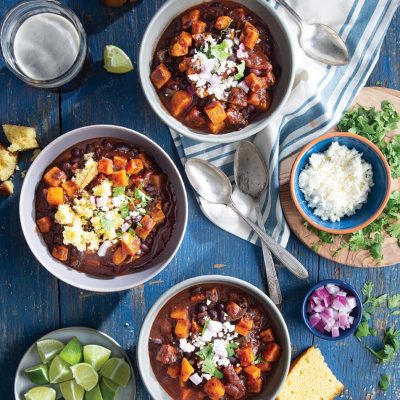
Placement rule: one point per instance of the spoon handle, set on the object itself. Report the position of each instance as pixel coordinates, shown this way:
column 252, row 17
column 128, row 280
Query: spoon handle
column 281, row 253
column 289, row 9
column 274, row 289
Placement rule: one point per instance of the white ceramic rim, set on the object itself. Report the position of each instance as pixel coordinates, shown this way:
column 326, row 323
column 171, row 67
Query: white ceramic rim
column 24, row 212
column 73, row 330
column 142, row 353
column 176, row 125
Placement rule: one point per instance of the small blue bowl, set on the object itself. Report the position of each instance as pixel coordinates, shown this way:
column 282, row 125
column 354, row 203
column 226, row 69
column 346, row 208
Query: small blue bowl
column 377, row 199
column 356, row 313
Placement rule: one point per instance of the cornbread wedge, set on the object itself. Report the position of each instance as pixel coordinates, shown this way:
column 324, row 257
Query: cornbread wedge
column 21, row 137
column 6, row 188
column 8, row 163
column 310, row 378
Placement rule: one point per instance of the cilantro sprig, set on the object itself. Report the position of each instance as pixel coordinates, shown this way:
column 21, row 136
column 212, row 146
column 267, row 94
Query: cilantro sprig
column 206, row 354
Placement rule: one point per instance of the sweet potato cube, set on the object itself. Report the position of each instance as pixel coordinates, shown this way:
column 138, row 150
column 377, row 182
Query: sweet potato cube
column 196, row 328
column 120, row 162
column 160, row 76
column 44, row 224
column 198, row 27
column 180, row 47
column 119, row 256
column 215, row 389
column 261, row 99
column 180, row 101
column 147, row 225
column 254, row 82
column 244, row 326
column 173, row 371
column 254, row 385
column 215, row 111
column 249, row 35
column 119, row 178
column 246, row 356
column 223, row 22
column 179, row 312
column 157, row 215
column 252, row 372
column 186, row 369
column 265, row 366
column 105, row 166
column 54, row 177
column 190, row 394
column 60, row 252
column 238, row 370
column 134, row 166
column 70, row 188
column 189, row 18
column 272, row 352
column 195, row 118
column 215, row 129
column 267, row 335
column 131, row 244
column 197, row 297
column 182, row 328
column 55, row 196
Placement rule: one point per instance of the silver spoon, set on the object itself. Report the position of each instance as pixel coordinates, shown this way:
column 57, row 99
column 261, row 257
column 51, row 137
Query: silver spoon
column 251, row 177
column 213, row 185
column 319, row 42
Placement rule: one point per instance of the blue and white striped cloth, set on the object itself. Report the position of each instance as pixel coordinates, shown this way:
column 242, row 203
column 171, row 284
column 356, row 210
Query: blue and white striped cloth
column 320, row 95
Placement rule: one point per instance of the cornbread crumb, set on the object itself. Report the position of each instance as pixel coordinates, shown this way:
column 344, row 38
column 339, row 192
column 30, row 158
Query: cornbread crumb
column 21, row 137
column 8, row 163
column 310, row 378
column 6, row 188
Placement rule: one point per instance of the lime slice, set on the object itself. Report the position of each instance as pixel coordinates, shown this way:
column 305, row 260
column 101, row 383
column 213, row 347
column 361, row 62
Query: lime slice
column 94, row 394
column 71, row 390
column 85, row 376
column 95, row 355
column 48, row 349
column 38, row 374
column 116, row 60
column 109, row 389
column 41, row 393
column 117, row 370
column 59, row 370
column 72, row 352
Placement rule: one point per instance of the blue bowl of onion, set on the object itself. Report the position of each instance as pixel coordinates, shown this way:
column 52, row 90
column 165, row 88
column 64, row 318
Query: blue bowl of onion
column 332, row 310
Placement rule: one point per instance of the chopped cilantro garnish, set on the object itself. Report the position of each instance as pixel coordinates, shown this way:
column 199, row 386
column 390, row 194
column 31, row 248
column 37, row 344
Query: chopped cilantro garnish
column 208, row 366
column 107, row 221
column 394, row 301
column 240, row 71
column 205, row 325
column 259, row 359
column 384, row 382
column 124, row 210
column 205, row 352
column 142, row 197
column 118, row 191
column 132, row 232
column 221, row 50
column 230, row 348
column 390, row 346
column 218, row 374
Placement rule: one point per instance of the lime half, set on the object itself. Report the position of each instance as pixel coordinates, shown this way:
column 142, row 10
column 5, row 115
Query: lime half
column 41, row 393
column 117, row 370
column 94, row 394
column 71, row 390
column 59, row 370
column 48, row 349
column 85, row 376
column 72, row 352
column 116, row 60
column 38, row 374
column 96, row 355
column 109, row 389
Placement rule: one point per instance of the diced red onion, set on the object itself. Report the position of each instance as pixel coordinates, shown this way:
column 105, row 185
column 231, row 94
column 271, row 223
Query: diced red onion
column 125, row 226
column 335, row 331
column 332, row 289
column 196, row 379
column 103, row 248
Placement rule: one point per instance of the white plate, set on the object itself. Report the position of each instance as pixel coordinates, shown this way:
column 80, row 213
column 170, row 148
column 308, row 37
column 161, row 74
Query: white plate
column 86, row 336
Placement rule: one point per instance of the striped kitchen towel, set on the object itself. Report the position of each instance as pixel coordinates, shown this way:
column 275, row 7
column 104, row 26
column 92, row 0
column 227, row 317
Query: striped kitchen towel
column 320, row 95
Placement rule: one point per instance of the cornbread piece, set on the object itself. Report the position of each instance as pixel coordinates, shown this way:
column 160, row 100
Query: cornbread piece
column 21, row 137
column 6, row 188
column 8, row 163
column 310, row 378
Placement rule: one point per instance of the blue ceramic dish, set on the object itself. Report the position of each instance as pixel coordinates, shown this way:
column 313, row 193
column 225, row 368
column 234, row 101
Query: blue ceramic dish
column 377, row 198
column 356, row 313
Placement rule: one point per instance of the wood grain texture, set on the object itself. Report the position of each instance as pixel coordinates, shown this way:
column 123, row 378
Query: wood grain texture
column 31, row 303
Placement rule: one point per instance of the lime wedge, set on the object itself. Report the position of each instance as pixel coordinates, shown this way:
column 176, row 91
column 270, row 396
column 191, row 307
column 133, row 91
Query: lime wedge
column 95, row 355
column 38, row 374
column 85, row 376
column 94, row 394
column 116, row 60
column 71, row 390
column 109, row 389
column 117, row 370
column 59, row 370
column 48, row 349
column 72, row 352
column 41, row 393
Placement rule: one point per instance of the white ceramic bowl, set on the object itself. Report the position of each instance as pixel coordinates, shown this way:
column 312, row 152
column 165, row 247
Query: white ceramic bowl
column 283, row 54
column 36, row 242
column 275, row 379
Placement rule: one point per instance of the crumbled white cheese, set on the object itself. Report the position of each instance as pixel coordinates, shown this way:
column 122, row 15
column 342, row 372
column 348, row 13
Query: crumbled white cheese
column 336, row 183
column 185, row 346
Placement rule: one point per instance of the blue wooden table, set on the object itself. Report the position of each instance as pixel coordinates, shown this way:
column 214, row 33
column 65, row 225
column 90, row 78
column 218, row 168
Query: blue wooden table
column 33, row 302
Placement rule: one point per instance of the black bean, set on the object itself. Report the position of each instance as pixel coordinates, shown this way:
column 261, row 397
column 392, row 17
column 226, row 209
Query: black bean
column 66, row 167
column 213, row 314
column 90, row 148
column 145, row 248
column 232, row 360
column 150, row 188
column 75, row 160
column 220, row 306
column 201, row 307
column 222, row 316
column 76, row 152
column 121, row 147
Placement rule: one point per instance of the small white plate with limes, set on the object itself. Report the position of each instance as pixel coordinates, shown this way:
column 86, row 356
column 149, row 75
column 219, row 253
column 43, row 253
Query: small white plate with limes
column 75, row 363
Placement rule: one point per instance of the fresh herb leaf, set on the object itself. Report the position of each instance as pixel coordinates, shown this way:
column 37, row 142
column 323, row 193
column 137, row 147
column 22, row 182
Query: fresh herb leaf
column 230, row 348
column 367, row 289
column 362, row 330
column 132, row 232
column 142, row 197
column 240, row 71
column 259, row 359
column 118, row 191
column 124, row 210
column 357, row 241
column 218, row 374
column 221, row 50
column 107, row 222
column 390, row 347
column 205, row 352
column 324, row 236
column 205, row 325
column 208, row 366
column 384, row 382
